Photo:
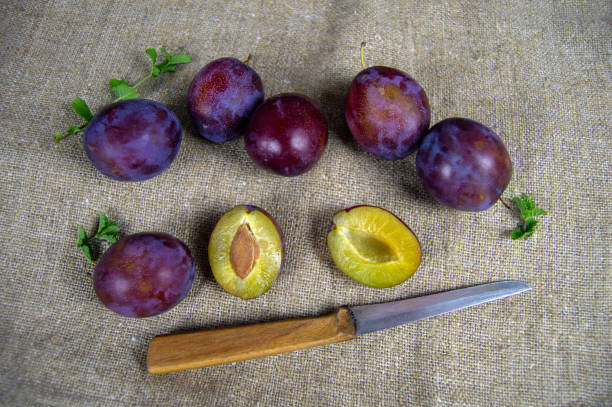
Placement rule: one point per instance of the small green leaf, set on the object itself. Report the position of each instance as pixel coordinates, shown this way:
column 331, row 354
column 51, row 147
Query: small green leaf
column 107, row 230
column 528, row 207
column 166, row 68
column 517, row 233
column 152, row 54
column 521, row 205
column 179, row 59
column 83, row 243
column 58, row 136
column 81, row 236
column 175, row 58
column 530, row 225
column 81, row 108
column 122, row 90
column 155, row 71
column 538, row 212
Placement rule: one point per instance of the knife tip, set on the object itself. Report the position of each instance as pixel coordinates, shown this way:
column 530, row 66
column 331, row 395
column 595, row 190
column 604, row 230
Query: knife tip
column 520, row 286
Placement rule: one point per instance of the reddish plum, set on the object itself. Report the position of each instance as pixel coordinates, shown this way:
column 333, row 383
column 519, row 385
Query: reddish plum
column 463, row 164
column 144, row 274
column 133, row 140
column 221, row 98
column 287, row 134
column 387, row 112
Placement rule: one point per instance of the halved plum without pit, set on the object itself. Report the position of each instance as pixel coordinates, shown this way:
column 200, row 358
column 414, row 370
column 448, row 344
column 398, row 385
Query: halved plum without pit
column 373, row 246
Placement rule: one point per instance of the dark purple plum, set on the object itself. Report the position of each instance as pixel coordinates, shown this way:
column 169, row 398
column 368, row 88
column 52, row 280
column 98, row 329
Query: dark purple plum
column 133, row 140
column 287, row 134
column 144, row 274
column 222, row 97
column 463, row 164
column 387, row 112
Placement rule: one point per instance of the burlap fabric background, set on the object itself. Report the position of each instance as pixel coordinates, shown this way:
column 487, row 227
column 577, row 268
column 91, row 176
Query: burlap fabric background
column 539, row 73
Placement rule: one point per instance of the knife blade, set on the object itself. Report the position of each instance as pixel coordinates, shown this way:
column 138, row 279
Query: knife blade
column 212, row 347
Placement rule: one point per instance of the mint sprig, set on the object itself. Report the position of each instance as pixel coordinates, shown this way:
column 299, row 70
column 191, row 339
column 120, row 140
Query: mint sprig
column 83, row 243
column 529, row 211
column 123, row 90
column 107, row 230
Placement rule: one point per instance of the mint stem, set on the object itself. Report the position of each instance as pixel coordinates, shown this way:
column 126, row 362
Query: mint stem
column 149, row 76
column 59, row 136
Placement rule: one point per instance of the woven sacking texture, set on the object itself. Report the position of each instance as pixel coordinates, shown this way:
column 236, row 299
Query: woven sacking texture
column 537, row 73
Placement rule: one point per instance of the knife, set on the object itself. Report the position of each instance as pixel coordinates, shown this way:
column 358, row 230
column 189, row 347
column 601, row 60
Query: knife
column 170, row 353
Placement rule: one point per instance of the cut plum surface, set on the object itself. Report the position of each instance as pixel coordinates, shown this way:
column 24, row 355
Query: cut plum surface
column 373, row 246
column 246, row 251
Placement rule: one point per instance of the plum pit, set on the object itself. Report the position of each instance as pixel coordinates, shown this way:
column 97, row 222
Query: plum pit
column 244, row 251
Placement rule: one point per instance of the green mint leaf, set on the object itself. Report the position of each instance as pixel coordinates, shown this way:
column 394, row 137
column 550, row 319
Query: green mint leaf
column 81, row 236
column 102, row 221
column 83, row 243
column 528, row 202
column 155, row 71
column 517, row 233
column 179, row 59
column 175, row 58
column 528, row 207
column 165, row 67
column 152, row 54
column 530, row 225
column 538, row 212
column 107, row 230
column 122, row 90
column 81, row 108
column 58, row 136
column 522, row 206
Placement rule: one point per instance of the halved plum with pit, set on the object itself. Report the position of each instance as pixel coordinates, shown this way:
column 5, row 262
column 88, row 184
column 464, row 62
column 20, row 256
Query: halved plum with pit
column 246, row 251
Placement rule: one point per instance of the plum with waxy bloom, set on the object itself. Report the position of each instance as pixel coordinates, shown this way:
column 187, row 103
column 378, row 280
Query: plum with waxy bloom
column 222, row 97
column 133, row 140
column 463, row 164
column 387, row 112
column 144, row 274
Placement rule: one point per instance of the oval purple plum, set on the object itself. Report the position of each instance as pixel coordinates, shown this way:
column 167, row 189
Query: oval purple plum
column 133, row 140
column 387, row 112
column 144, row 274
column 463, row 164
column 222, row 97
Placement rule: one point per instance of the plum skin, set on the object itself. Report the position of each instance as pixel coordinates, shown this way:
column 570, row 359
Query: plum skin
column 133, row 140
column 463, row 164
column 387, row 112
column 287, row 134
column 222, row 97
column 144, row 274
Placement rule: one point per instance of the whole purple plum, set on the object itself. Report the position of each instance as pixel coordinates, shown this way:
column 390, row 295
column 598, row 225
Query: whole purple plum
column 144, row 274
column 463, row 164
column 132, row 140
column 387, row 112
column 287, row 134
column 222, row 97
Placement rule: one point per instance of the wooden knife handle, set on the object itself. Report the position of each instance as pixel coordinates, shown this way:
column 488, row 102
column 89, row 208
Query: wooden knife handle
column 194, row 350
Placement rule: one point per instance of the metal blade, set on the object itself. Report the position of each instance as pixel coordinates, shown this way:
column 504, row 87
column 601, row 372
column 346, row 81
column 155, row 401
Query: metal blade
column 370, row 318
